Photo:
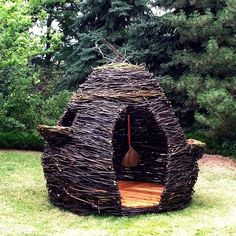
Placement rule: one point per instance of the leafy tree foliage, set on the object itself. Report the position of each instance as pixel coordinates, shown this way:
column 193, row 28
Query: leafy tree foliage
column 53, row 21
column 17, row 47
column 16, row 44
column 22, row 105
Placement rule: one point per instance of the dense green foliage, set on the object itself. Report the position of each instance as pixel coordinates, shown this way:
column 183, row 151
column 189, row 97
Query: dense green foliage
column 16, row 44
column 204, row 58
column 99, row 20
column 49, row 47
column 23, row 102
column 21, row 140
column 192, row 48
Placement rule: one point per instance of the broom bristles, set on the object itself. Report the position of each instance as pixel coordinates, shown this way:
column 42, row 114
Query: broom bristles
column 131, row 159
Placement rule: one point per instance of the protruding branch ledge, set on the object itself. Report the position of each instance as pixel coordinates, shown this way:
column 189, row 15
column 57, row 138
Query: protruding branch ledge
column 55, row 134
column 197, row 148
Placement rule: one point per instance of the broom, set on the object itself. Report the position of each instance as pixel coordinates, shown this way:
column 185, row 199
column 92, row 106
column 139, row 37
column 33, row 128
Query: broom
column 132, row 158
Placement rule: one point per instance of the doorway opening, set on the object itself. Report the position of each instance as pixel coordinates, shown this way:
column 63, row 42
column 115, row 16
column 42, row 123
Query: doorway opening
column 140, row 186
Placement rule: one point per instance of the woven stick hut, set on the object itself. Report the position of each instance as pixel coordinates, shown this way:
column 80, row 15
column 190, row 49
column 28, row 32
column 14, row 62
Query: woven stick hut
column 82, row 160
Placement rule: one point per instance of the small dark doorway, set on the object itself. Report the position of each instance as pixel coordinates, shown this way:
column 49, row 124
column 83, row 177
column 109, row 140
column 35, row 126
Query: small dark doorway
column 149, row 141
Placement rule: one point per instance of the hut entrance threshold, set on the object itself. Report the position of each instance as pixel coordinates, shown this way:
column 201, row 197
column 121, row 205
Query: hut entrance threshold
column 139, row 194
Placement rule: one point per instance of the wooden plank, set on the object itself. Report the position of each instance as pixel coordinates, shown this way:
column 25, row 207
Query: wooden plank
column 139, row 194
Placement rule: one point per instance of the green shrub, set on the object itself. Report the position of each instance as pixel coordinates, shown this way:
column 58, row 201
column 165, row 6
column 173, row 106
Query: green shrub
column 53, row 107
column 220, row 113
column 21, row 109
column 21, row 140
column 22, row 112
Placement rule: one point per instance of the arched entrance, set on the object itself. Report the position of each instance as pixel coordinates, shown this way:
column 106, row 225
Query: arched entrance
column 142, row 185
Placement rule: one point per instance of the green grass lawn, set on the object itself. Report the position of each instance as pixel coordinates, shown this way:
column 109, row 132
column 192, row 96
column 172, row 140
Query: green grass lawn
column 25, row 209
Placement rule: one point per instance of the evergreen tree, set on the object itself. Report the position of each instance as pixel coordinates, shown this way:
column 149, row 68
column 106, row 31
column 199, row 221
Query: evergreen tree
column 96, row 21
column 195, row 45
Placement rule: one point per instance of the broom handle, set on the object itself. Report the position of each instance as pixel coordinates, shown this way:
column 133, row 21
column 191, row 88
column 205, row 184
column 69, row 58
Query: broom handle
column 129, row 133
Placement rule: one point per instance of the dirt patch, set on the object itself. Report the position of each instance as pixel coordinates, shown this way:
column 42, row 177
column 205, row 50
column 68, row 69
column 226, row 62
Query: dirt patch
column 217, row 160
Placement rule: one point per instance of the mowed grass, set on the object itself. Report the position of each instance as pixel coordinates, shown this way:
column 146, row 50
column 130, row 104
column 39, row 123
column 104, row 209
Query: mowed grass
column 25, row 209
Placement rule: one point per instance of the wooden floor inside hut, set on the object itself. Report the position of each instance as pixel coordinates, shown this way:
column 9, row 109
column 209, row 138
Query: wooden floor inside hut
column 139, row 194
